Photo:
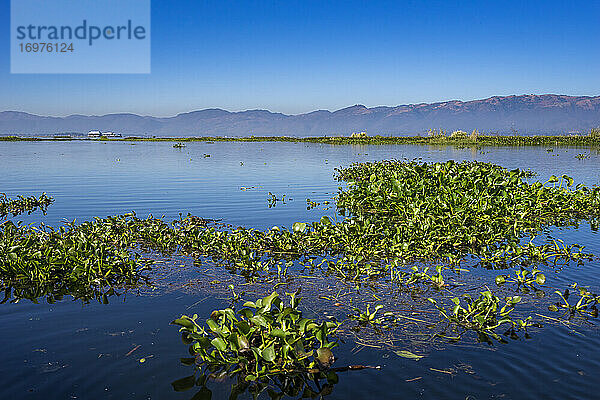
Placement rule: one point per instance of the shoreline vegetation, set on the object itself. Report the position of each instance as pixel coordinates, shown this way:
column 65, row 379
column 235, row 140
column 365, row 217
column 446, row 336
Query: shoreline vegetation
column 432, row 137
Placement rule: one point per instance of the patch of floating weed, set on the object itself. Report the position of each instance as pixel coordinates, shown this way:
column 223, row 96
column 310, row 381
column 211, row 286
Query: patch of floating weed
column 272, row 200
column 23, row 204
column 81, row 260
column 451, row 210
column 266, row 344
column 408, row 229
column 483, row 314
column 585, row 305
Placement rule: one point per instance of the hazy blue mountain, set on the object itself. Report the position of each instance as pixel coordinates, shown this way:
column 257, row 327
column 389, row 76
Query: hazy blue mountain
column 527, row 114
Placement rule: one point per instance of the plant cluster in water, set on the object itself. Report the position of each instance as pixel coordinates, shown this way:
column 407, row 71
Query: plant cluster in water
column 409, row 223
column 86, row 260
column 266, row 340
column 397, row 213
column 23, row 204
column 483, row 314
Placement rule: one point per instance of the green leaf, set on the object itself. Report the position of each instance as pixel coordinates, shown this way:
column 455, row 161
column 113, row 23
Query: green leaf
column 243, row 342
column 213, row 326
column 259, row 320
column 325, row 220
column 243, row 327
column 299, row 227
column 408, row 354
column 278, row 333
column 219, row 344
column 302, row 324
column 325, row 357
column 204, row 342
column 267, row 301
column 183, row 321
column 540, row 279
column 268, row 354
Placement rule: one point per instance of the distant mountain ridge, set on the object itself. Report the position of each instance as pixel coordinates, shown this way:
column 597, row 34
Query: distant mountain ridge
column 525, row 114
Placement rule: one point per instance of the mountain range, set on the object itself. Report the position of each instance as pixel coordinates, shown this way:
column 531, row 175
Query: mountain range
column 524, row 114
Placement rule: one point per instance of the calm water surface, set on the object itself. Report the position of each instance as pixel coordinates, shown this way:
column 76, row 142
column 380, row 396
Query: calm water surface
column 74, row 350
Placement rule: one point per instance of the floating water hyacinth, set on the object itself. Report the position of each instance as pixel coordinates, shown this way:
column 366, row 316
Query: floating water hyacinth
column 264, row 338
column 23, row 204
column 396, row 212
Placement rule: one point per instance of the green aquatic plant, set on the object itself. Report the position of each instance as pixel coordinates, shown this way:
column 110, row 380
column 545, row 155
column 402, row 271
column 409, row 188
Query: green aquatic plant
column 368, row 317
column 265, row 338
column 23, row 204
column 410, row 222
column 483, row 314
column 451, row 210
column 585, row 305
column 423, row 275
column 397, row 211
column 272, row 200
column 82, row 260
column 523, row 277
column 310, row 204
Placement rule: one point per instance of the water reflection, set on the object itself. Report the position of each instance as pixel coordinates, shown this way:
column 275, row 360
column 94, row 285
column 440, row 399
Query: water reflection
column 56, row 291
column 276, row 387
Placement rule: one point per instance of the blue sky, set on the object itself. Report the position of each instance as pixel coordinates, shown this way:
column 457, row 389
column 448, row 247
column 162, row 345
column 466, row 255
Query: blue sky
column 299, row 56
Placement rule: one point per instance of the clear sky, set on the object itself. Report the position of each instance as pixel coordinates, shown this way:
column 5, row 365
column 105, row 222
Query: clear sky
column 298, row 56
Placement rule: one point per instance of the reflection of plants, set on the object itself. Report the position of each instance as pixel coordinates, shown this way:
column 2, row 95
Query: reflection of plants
column 483, row 314
column 587, row 303
column 265, row 338
column 295, row 385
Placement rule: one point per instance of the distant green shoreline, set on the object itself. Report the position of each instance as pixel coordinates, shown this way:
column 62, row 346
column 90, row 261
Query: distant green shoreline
column 592, row 139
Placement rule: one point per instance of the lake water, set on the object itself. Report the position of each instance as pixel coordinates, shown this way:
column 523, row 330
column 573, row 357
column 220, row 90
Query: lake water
column 74, row 350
